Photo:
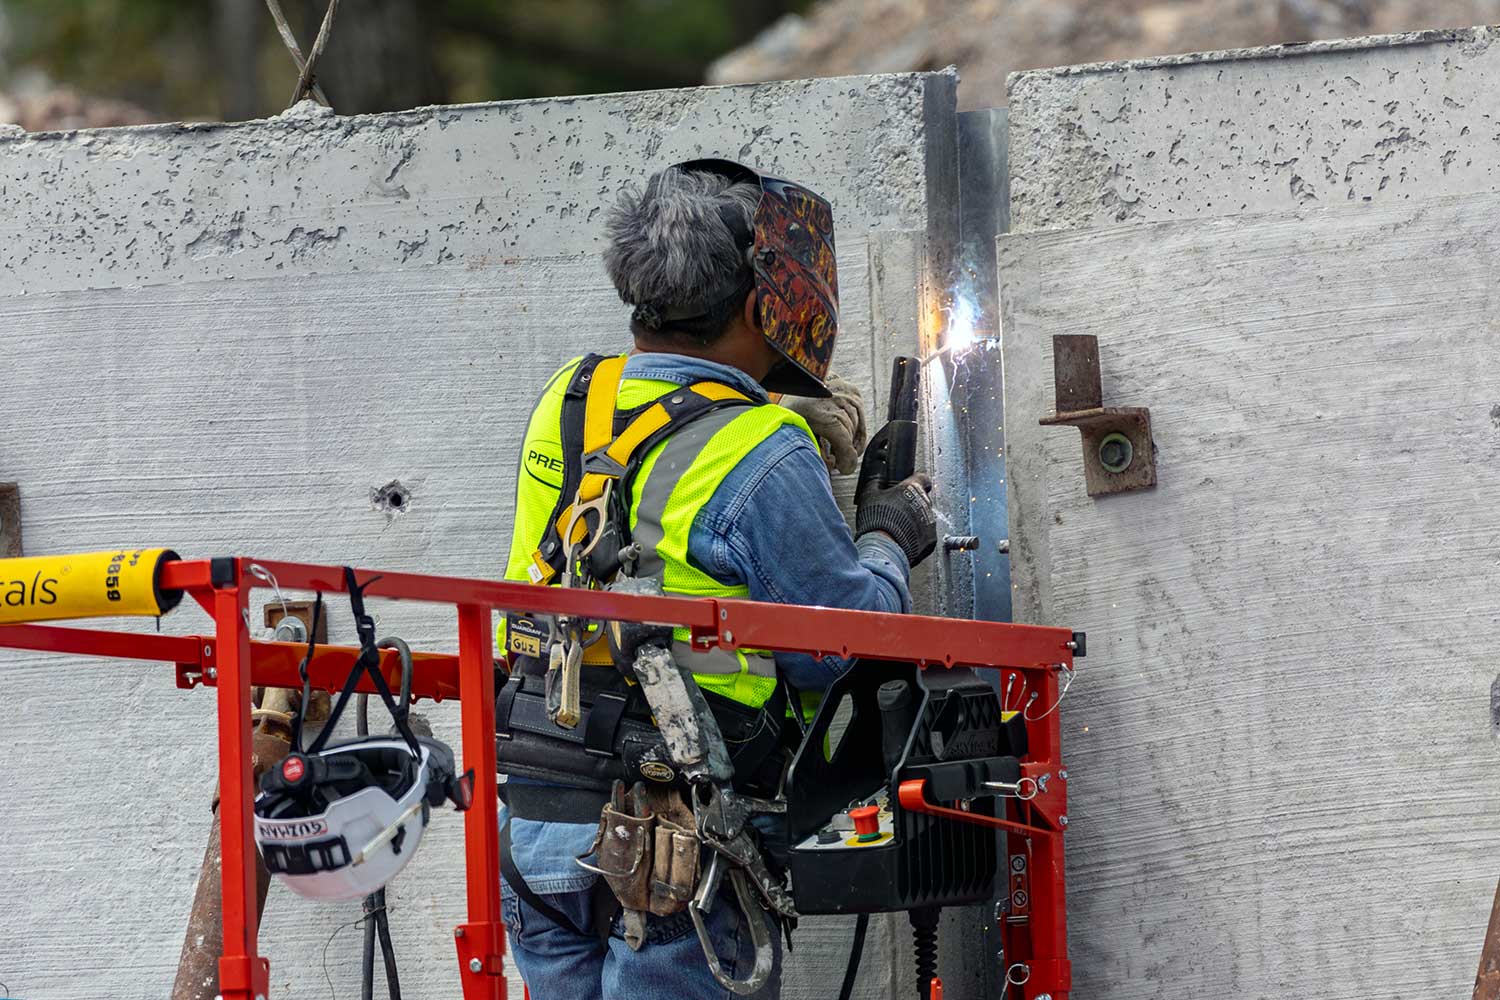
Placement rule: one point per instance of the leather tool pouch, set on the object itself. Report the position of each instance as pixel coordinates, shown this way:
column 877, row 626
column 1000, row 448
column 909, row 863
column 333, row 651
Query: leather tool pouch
column 647, row 850
column 674, row 872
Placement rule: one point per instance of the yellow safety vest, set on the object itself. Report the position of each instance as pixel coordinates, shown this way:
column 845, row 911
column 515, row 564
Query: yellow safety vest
column 677, row 477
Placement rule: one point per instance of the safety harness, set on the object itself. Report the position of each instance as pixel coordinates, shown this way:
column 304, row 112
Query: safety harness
column 650, row 836
column 603, row 450
column 611, row 735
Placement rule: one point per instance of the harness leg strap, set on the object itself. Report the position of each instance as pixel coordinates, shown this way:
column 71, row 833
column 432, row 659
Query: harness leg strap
column 512, row 876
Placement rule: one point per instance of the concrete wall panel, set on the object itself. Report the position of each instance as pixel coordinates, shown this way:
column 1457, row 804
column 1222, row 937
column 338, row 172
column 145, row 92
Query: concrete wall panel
column 225, row 338
column 1389, row 118
column 1282, row 744
column 312, row 192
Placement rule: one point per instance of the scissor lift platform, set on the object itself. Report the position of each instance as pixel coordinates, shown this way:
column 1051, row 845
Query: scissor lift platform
column 1033, row 928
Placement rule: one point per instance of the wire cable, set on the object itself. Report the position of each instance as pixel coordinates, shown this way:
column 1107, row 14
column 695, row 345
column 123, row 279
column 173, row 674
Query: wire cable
column 856, row 951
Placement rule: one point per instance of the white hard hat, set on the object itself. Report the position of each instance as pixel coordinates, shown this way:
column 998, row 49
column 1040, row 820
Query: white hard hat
column 340, row 823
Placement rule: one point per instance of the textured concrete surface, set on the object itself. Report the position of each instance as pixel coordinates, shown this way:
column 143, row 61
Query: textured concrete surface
column 227, row 338
column 1381, row 119
column 312, row 192
column 1281, row 744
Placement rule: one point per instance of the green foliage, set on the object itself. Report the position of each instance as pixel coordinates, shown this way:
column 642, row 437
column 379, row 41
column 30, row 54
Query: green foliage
column 169, row 55
column 146, row 51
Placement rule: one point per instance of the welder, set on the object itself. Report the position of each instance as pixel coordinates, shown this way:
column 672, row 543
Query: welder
column 671, row 464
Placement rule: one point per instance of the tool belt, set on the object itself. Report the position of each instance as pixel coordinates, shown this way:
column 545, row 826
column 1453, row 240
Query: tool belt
column 615, row 738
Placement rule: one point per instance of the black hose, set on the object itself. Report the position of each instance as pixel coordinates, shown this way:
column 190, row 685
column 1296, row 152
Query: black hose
column 856, row 951
column 376, row 921
column 924, row 925
column 367, row 963
column 387, row 951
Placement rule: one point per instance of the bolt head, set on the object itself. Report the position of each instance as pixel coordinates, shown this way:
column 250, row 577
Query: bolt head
column 728, row 636
column 1062, row 820
column 1116, row 452
column 1063, row 774
column 211, row 674
column 475, row 965
column 458, row 932
column 1045, row 996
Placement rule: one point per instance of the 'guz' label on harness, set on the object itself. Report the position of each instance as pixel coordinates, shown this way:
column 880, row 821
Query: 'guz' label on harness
column 524, row 636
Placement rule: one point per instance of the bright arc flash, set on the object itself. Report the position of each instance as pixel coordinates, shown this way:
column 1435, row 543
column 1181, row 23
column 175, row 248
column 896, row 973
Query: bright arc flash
column 961, row 323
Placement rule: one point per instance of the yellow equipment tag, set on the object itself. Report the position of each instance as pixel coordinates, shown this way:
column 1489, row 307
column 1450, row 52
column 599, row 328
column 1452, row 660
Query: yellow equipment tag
column 91, row 585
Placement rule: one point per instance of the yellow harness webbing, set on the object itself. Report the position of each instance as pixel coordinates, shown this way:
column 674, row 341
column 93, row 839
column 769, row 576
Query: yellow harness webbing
column 598, row 427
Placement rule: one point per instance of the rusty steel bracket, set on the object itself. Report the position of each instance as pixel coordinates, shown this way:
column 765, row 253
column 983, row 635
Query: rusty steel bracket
column 1118, row 453
column 10, row 521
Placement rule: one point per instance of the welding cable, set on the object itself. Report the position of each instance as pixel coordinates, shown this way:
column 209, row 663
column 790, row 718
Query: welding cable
column 856, row 951
column 378, row 923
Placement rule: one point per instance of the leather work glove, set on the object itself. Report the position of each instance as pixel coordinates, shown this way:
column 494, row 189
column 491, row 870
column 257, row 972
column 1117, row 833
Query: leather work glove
column 838, row 423
column 902, row 510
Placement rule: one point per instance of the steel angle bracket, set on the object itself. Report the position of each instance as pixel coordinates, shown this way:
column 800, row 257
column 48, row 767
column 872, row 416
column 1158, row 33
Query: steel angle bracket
column 1118, row 453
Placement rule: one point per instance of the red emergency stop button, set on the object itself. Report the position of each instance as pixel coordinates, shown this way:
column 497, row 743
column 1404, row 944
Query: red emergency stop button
column 866, row 823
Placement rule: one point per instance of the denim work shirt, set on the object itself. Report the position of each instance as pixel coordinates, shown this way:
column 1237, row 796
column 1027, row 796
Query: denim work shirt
column 773, row 526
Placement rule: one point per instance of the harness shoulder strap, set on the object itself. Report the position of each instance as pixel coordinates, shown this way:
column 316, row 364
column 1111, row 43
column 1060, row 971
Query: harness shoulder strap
column 547, row 560
column 615, row 458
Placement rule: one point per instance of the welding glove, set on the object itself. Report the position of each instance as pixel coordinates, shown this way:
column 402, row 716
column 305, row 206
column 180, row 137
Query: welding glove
column 902, row 510
column 838, row 423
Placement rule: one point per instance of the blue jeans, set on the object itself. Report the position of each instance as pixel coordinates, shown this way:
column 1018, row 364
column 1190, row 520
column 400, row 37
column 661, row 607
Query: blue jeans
column 558, row 963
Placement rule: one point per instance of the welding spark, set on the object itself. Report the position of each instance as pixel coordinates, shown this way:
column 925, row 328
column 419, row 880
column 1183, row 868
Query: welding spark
column 962, row 320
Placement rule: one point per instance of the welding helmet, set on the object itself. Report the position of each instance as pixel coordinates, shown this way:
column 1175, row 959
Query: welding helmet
column 790, row 252
column 340, row 823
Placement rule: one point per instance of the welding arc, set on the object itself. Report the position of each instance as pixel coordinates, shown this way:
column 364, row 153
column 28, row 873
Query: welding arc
column 856, row 951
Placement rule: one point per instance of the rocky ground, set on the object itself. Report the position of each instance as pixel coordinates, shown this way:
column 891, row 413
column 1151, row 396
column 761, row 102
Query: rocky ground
column 989, row 39
column 49, row 110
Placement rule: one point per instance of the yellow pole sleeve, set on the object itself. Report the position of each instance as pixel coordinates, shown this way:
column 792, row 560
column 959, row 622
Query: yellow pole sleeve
column 91, row 585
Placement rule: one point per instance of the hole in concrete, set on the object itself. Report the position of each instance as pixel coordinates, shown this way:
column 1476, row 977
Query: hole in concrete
column 392, row 498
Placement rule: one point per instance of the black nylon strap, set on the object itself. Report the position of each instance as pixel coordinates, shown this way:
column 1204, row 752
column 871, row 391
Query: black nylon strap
column 603, row 721
column 549, row 803
column 575, row 402
column 512, row 876
column 503, row 702
column 368, row 663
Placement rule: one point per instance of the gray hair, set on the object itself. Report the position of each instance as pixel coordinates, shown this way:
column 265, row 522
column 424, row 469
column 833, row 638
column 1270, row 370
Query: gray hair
column 669, row 247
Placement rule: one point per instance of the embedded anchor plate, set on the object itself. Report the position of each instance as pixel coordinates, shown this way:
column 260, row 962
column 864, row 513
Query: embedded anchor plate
column 1118, row 454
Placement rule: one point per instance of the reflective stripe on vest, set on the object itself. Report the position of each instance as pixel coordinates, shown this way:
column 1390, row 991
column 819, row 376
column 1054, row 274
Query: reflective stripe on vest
column 748, row 677
column 673, row 486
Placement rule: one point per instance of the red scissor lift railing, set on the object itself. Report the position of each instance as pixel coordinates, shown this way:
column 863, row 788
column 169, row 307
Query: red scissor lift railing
column 1034, row 934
